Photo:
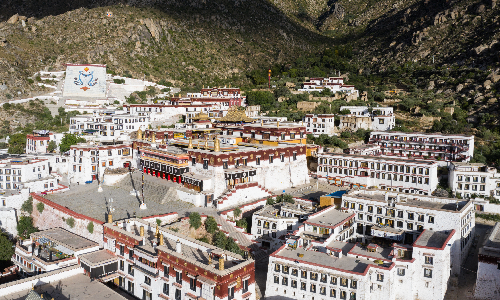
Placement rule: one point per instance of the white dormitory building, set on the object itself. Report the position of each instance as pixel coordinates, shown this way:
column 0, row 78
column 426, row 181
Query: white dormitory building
column 108, row 126
column 26, row 173
column 334, row 84
column 328, row 260
column 320, row 124
column 403, row 175
column 443, row 148
column 488, row 270
column 88, row 162
column 166, row 113
column 272, row 223
column 38, row 142
column 467, row 179
column 360, row 117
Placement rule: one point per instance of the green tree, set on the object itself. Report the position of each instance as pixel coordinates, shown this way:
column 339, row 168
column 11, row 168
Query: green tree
column 265, row 99
column 28, row 205
column 69, row 140
column 90, row 227
column 194, row 220
column 232, row 246
column 158, row 222
column 71, row 222
column 40, row 207
column 204, row 240
column 237, row 212
column 6, row 250
column 25, row 227
column 211, row 225
column 270, row 201
column 219, row 240
column 17, row 143
column 52, row 146
column 242, row 223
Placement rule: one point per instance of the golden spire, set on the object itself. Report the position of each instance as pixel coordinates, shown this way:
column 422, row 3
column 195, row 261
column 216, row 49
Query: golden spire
column 206, row 144
column 217, row 145
column 261, row 122
column 190, row 145
column 153, row 137
column 139, row 134
column 278, row 124
column 161, row 240
column 157, row 231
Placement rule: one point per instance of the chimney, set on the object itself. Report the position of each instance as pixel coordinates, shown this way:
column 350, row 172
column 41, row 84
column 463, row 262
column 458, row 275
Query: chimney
column 161, row 240
column 142, row 231
column 221, row 263
column 110, row 217
column 178, row 247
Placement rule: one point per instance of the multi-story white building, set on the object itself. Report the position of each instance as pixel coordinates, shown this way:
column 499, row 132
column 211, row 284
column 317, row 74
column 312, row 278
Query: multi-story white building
column 334, row 84
column 471, row 180
column 272, row 222
column 50, row 250
column 443, row 148
column 320, row 124
column 87, row 162
column 368, row 118
column 402, row 217
column 38, row 142
column 167, row 112
column 324, row 260
column 488, row 270
column 403, row 175
column 156, row 263
column 17, row 173
column 108, row 125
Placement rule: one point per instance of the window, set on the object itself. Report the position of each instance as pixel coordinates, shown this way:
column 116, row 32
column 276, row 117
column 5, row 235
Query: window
column 165, row 288
column 401, row 272
column 284, row 281
column 276, row 279
column 343, row 282
column 294, row 156
column 354, row 284
column 333, row 293
column 192, row 284
column 400, row 224
column 409, row 226
column 205, row 164
column 429, row 260
column 147, row 280
column 323, row 278
column 178, row 277
column 270, row 159
column 313, row 288
column 193, row 161
column 178, row 294
column 322, row 290
column 380, row 277
column 122, row 265
column 294, row 284
column 130, row 270
column 165, row 271
column 360, row 216
column 314, row 276
column 295, row 272
column 146, row 295
column 131, row 254
column 257, row 161
column 410, row 216
column 428, row 273
column 277, row 267
column 245, row 285
column 285, row 269
column 122, row 250
column 303, row 286
column 304, row 274
column 431, row 219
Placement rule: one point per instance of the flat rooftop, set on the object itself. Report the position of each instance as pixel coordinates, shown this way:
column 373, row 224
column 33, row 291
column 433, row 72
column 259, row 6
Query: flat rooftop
column 86, row 200
column 491, row 245
column 329, row 219
column 79, row 287
column 406, row 201
column 65, row 238
column 98, row 257
column 431, row 238
column 345, row 263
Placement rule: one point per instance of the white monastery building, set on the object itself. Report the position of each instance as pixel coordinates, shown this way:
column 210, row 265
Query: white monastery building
column 443, row 148
column 368, row 118
column 467, row 179
column 402, row 175
column 334, row 84
column 488, row 270
column 38, row 142
column 320, row 124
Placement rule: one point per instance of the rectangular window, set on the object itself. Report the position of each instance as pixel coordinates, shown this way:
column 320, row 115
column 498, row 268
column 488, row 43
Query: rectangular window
column 428, row 273
column 165, row 288
column 178, row 277
column 270, row 159
column 401, row 272
column 343, row 282
column 380, row 277
column 431, row 219
column 192, row 284
column 257, row 161
column 147, row 280
column 429, row 260
column 245, row 286
column 165, row 271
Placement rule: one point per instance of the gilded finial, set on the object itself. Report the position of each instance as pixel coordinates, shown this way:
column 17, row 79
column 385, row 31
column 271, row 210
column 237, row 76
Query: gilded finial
column 190, row 145
column 206, row 144
column 139, row 134
column 217, row 145
column 153, row 137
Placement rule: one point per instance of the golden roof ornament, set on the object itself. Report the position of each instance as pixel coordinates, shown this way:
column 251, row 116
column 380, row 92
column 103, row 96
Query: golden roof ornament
column 217, row 145
column 153, row 137
column 190, row 145
column 139, row 134
column 206, row 144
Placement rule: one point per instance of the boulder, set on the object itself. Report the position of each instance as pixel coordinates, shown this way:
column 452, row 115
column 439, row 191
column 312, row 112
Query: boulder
column 13, row 19
column 459, row 87
column 431, row 85
column 487, row 85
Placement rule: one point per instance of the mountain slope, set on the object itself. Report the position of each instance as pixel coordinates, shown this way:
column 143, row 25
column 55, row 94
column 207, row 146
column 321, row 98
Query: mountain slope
column 212, row 42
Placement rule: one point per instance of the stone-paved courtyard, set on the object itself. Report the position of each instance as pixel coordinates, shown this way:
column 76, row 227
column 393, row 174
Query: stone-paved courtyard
column 86, row 200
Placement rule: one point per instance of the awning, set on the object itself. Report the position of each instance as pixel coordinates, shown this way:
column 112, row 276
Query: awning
column 110, row 277
column 388, row 234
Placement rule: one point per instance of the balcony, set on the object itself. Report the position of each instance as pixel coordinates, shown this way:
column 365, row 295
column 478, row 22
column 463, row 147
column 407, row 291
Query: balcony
column 145, row 268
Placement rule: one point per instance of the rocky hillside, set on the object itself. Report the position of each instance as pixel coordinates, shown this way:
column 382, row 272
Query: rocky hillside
column 209, row 42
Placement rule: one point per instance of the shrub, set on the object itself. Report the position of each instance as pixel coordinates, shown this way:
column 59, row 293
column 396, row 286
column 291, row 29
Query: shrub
column 28, row 205
column 90, row 227
column 219, row 240
column 242, row 223
column 237, row 212
column 25, row 227
column 40, row 207
column 204, row 240
column 211, row 225
column 70, row 222
column 270, row 201
column 194, row 220
column 158, row 222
